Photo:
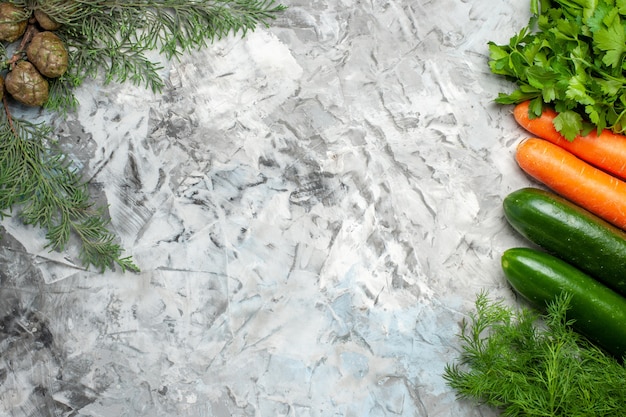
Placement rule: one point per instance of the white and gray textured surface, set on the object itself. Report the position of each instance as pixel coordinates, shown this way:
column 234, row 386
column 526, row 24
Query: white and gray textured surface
column 313, row 206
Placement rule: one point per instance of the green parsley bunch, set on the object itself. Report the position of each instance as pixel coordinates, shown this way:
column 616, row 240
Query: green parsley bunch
column 570, row 56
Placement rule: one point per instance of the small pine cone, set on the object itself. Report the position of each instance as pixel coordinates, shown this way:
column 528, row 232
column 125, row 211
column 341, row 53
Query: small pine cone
column 26, row 85
column 48, row 54
column 45, row 21
column 13, row 22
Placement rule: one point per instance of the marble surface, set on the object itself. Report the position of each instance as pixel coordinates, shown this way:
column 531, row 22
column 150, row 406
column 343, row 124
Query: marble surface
column 313, row 207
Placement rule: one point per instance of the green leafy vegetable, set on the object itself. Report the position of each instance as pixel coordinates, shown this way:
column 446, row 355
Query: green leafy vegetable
column 530, row 364
column 570, row 56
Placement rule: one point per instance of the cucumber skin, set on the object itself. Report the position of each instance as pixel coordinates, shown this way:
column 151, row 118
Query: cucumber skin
column 599, row 313
column 571, row 233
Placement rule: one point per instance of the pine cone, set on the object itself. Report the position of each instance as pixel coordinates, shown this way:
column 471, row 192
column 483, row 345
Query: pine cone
column 26, row 84
column 45, row 21
column 13, row 22
column 47, row 52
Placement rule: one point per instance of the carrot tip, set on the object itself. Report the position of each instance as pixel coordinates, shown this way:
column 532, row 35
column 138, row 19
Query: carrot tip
column 524, row 142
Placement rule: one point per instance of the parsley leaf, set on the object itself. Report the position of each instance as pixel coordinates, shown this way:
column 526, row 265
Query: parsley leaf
column 571, row 56
column 621, row 6
column 544, row 79
column 612, row 41
column 569, row 123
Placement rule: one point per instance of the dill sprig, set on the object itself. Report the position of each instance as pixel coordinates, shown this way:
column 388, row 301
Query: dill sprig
column 530, row 364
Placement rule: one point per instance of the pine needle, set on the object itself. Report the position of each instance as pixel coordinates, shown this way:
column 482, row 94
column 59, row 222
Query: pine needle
column 51, row 195
column 113, row 38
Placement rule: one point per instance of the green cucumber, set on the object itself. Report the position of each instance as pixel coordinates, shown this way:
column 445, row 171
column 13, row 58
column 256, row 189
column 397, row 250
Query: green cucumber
column 599, row 313
column 571, row 233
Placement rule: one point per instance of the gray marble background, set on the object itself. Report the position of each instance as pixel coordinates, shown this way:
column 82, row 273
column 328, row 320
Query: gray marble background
column 313, row 207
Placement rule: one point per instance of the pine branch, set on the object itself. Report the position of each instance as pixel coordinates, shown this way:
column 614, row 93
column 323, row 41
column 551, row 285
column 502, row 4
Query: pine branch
column 114, row 37
column 51, row 195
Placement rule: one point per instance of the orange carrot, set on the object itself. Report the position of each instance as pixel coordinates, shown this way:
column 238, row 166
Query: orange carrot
column 606, row 151
column 574, row 179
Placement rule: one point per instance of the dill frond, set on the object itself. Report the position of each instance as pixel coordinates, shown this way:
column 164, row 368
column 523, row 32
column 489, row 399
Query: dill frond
column 526, row 364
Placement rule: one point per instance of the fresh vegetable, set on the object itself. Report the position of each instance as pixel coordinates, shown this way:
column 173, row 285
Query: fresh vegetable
column 571, row 233
column 527, row 364
column 570, row 56
column 606, row 150
column 574, row 179
column 598, row 312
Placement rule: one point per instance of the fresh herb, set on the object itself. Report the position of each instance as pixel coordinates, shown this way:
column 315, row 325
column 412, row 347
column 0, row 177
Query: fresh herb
column 530, row 364
column 570, row 56
column 113, row 38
